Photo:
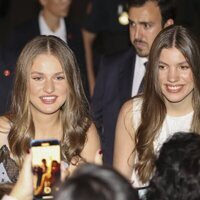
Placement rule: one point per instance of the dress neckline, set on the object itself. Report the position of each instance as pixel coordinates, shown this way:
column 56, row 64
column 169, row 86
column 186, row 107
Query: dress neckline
column 178, row 117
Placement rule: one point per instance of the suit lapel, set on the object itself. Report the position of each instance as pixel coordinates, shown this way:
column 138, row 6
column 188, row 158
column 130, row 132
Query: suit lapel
column 126, row 75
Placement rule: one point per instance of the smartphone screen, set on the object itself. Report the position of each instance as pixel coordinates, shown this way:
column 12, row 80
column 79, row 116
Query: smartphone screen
column 46, row 167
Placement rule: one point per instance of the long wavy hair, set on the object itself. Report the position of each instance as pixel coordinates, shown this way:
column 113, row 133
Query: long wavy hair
column 74, row 113
column 154, row 110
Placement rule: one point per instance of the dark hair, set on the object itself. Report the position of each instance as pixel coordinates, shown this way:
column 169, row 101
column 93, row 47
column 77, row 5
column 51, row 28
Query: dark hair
column 177, row 174
column 167, row 7
column 97, row 183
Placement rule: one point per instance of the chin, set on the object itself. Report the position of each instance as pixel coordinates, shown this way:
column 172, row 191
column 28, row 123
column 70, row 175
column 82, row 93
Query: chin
column 47, row 111
column 63, row 14
column 175, row 100
column 142, row 54
column 50, row 112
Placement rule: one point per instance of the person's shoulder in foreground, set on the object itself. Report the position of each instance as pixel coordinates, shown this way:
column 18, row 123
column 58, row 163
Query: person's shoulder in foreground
column 97, row 182
column 177, row 173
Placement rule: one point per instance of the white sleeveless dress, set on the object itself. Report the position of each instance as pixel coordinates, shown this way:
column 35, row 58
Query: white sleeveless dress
column 170, row 126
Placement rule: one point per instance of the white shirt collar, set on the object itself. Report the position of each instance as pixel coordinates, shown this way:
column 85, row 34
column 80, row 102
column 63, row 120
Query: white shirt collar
column 139, row 72
column 61, row 32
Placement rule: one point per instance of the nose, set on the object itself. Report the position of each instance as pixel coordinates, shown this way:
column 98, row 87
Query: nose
column 137, row 32
column 49, row 86
column 172, row 75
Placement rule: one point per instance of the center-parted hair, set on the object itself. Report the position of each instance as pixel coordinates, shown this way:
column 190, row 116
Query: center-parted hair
column 153, row 107
column 74, row 113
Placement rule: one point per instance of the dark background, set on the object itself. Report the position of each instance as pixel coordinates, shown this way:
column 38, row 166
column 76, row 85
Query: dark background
column 15, row 12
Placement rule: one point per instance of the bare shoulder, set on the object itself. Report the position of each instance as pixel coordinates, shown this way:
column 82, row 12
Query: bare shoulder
column 126, row 111
column 125, row 117
column 4, row 129
column 127, row 107
column 131, row 105
column 5, row 124
column 92, row 133
column 92, row 129
column 125, row 139
column 92, row 144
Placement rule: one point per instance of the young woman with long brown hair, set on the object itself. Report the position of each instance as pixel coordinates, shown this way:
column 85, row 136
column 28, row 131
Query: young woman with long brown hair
column 170, row 103
column 48, row 102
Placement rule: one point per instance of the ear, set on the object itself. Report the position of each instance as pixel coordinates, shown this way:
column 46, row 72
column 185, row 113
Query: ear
column 169, row 23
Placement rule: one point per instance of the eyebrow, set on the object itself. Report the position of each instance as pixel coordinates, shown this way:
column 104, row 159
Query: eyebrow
column 141, row 22
column 35, row 72
column 181, row 63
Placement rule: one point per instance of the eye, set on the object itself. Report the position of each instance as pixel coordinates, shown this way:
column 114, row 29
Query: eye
column 37, row 78
column 162, row 67
column 184, row 67
column 131, row 24
column 60, row 77
column 146, row 25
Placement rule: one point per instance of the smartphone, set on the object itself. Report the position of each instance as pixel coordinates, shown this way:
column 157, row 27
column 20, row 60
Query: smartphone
column 46, row 158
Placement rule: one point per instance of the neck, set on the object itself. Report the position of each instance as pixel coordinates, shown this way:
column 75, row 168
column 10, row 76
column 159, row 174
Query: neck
column 47, row 126
column 52, row 21
column 179, row 108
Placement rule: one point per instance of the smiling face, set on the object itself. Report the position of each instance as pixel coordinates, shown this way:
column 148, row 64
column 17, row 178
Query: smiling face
column 47, row 85
column 175, row 77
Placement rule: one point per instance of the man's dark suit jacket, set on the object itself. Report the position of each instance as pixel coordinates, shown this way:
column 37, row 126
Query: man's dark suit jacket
column 17, row 40
column 113, row 88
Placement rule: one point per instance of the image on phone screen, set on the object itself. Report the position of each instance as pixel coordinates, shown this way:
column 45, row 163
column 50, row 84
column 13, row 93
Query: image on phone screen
column 45, row 167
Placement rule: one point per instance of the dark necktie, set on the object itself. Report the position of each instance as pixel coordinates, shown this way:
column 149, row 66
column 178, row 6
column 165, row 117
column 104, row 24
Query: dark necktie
column 140, row 90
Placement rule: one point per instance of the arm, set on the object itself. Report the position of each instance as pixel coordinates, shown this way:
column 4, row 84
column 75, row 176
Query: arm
column 92, row 145
column 23, row 189
column 4, row 130
column 90, row 150
column 88, row 40
column 124, row 141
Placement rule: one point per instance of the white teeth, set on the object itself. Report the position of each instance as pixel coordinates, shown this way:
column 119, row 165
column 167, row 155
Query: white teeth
column 48, row 98
column 173, row 87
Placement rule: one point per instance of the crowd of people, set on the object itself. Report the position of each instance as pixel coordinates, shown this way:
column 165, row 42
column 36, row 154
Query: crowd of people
column 138, row 137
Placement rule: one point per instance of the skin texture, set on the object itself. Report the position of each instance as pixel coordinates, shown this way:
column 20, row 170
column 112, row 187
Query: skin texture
column 144, row 25
column 23, row 188
column 176, row 79
column 48, row 85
